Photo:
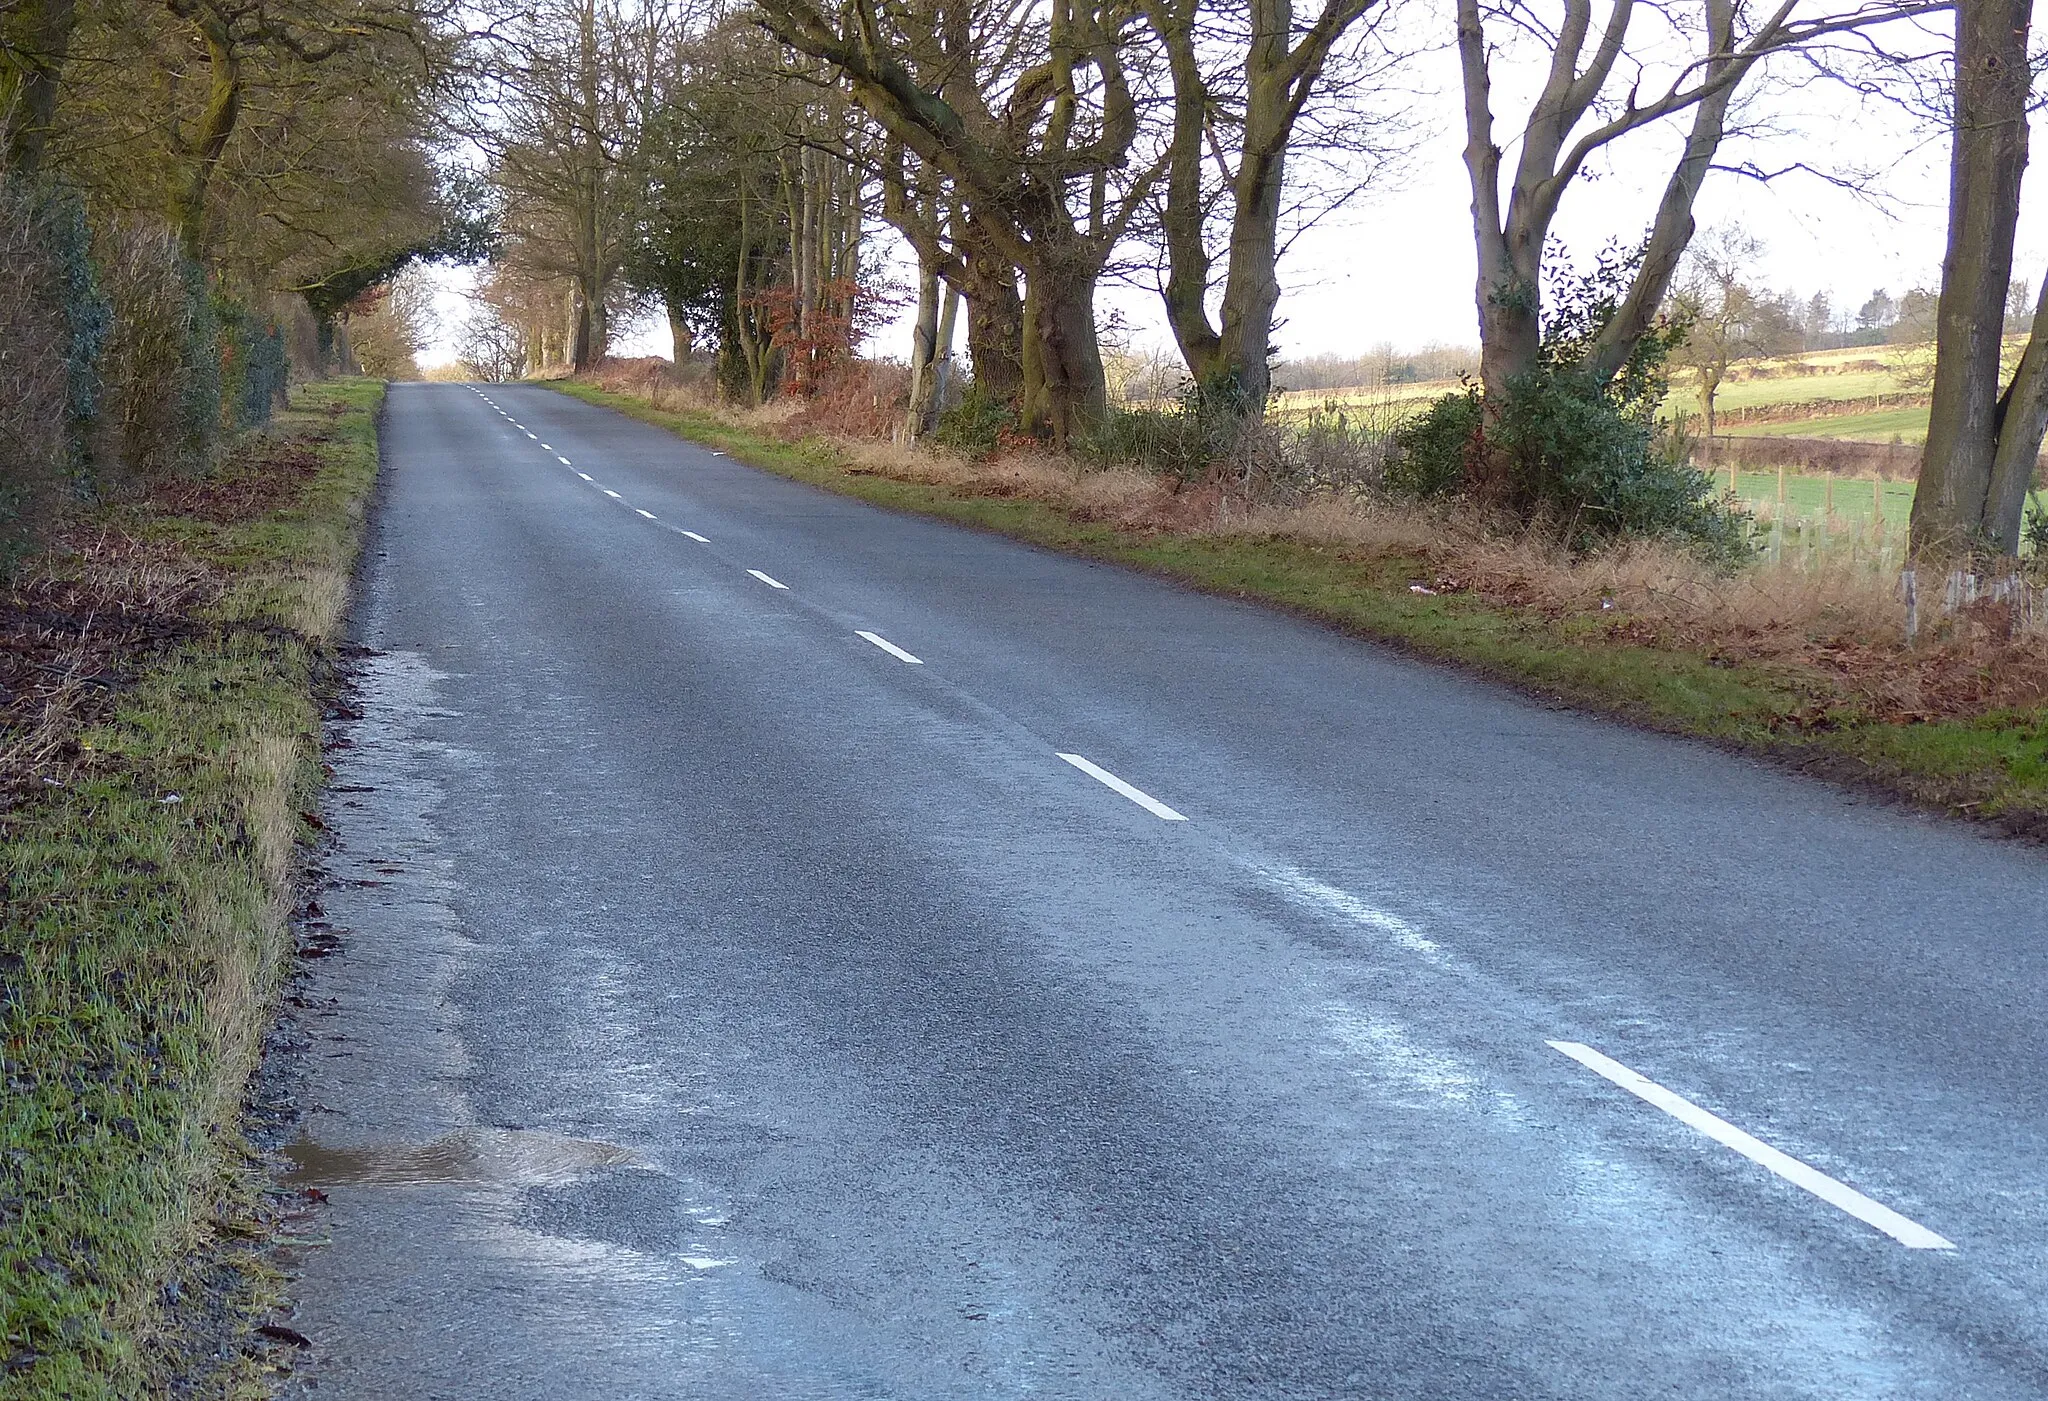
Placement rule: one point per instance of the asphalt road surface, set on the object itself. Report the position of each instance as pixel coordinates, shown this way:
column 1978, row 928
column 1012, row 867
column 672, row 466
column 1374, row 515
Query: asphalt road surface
column 794, row 950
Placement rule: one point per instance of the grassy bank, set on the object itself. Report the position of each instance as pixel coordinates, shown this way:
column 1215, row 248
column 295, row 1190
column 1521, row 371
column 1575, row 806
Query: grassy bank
column 154, row 794
column 1952, row 726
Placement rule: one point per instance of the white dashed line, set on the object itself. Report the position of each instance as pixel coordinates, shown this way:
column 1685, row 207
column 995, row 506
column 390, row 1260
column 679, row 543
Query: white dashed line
column 649, row 514
column 534, row 436
column 586, row 476
column 1908, row 1233
column 695, row 536
column 613, row 494
column 1137, row 795
column 563, row 460
column 771, row 583
column 891, row 648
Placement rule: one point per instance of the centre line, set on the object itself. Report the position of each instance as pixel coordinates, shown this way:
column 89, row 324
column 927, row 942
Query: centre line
column 771, row 583
column 648, row 514
column 544, row 447
column 698, row 538
column 1137, row 795
column 891, row 648
column 613, row 494
column 534, row 436
column 586, row 476
column 563, row 460
column 1906, row 1232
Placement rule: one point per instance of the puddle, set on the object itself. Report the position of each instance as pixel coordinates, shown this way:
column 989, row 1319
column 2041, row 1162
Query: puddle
column 499, row 1157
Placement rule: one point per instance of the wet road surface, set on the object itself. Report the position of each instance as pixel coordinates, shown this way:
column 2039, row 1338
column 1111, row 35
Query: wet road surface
column 793, row 950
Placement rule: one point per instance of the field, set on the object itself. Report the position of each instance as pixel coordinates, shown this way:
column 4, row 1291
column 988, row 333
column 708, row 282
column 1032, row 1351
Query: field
column 1757, row 387
column 1847, row 500
column 1907, row 425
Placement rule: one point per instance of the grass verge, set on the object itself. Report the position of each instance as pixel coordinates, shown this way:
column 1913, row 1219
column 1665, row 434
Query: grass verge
column 154, row 808
column 1991, row 766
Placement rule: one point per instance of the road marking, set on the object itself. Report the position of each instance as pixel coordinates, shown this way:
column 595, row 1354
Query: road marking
column 771, row 583
column 544, row 446
column 695, row 536
column 563, row 460
column 586, row 476
column 613, row 494
column 649, row 514
column 1906, row 1232
column 534, row 436
column 1137, row 795
column 891, row 648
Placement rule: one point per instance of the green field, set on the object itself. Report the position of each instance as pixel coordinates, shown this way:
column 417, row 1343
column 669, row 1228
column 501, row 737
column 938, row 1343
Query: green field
column 1805, row 389
column 1852, row 501
column 1888, row 426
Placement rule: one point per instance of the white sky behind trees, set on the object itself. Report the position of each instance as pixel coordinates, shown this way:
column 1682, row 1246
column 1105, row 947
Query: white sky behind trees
column 1396, row 266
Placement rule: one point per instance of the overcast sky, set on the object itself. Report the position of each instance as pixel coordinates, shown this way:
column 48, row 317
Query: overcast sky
column 1396, row 266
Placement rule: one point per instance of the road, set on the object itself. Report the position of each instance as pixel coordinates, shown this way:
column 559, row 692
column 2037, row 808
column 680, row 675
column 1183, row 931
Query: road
column 790, row 949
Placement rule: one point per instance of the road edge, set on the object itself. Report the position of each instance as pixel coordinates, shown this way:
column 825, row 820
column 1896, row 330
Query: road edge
column 1991, row 770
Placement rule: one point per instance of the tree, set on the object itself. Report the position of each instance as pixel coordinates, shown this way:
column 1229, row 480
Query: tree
column 1724, row 319
column 1059, row 134
column 1878, row 313
column 1247, row 75
column 567, row 85
column 1983, row 446
column 1570, row 120
column 35, row 41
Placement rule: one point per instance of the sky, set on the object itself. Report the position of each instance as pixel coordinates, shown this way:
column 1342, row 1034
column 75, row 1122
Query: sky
column 1396, row 267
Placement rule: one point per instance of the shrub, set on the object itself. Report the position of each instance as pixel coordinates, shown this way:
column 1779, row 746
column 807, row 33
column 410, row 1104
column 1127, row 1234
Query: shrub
column 1432, row 454
column 159, row 367
column 1572, row 449
column 977, row 425
column 1583, row 461
column 1186, row 443
column 252, row 362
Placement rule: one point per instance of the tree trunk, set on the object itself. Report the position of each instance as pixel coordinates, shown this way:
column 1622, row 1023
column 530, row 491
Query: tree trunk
column 942, row 367
column 216, row 125
column 1952, row 510
column 34, row 103
column 1251, row 288
column 1064, row 391
column 579, row 327
column 924, row 351
column 2023, row 420
column 995, row 315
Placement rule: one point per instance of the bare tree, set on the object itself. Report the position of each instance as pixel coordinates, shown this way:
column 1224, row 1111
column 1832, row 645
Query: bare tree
column 1032, row 116
column 1982, row 445
column 1241, row 79
column 1725, row 319
column 566, row 87
column 1574, row 116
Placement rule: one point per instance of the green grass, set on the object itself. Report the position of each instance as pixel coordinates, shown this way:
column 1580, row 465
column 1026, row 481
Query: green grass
column 1907, row 425
column 142, row 937
column 1992, row 766
column 1790, row 389
column 1853, row 499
